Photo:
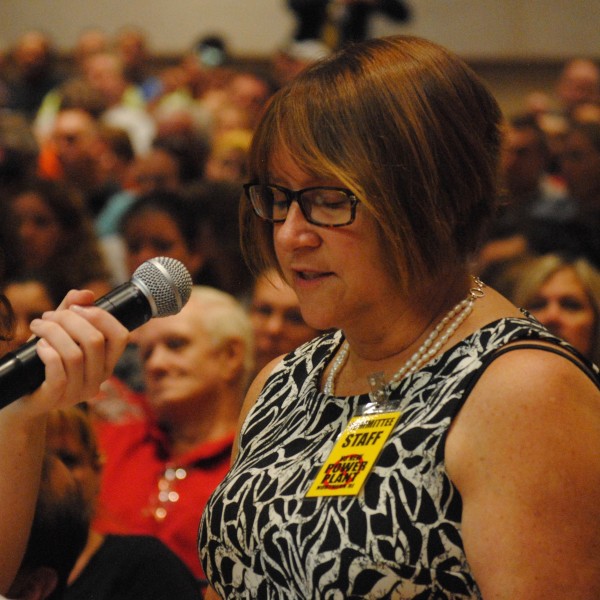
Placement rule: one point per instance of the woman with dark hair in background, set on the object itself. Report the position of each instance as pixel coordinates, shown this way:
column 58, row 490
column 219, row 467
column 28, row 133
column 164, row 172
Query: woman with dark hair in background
column 56, row 237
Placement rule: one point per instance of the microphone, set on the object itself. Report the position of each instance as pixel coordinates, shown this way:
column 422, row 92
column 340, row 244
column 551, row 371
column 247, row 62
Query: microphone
column 158, row 288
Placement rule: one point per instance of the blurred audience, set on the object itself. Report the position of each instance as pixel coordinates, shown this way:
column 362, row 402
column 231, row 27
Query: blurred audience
column 342, row 22
column 215, row 204
column 276, row 319
column 189, row 146
column 294, row 57
column 119, row 102
column 35, row 72
column 58, row 534
column 161, row 223
column 580, row 167
column 249, row 91
column 114, row 163
column 537, row 215
column 530, row 190
column 18, row 152
column 71, row 154
column 564, row 295
column 56, row 237
column 227, row 157
column 578, row 83
column 91, row 40
column 124, row 100
column 11, row 263
column 159, row 473
column 111, row 567
column 29, row 296
column 157, row 169
column 532, row 201
column 131, row 45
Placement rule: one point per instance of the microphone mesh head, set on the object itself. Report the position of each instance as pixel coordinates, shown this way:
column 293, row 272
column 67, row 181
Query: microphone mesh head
column 167, row 281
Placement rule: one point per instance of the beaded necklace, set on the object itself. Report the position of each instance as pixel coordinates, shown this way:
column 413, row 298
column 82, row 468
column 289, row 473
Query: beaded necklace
column 428, row 349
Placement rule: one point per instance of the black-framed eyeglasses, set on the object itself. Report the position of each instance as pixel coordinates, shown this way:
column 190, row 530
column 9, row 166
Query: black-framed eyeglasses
column 320, row 205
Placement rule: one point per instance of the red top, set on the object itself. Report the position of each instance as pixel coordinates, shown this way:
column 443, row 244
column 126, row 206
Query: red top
column 145, row 491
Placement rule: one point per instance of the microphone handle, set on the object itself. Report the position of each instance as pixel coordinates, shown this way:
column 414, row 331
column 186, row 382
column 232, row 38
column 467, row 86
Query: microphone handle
column 128, row 304
column 22, row 371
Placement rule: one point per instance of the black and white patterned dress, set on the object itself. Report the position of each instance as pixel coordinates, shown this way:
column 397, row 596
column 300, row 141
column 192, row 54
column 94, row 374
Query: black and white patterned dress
column 399, row 538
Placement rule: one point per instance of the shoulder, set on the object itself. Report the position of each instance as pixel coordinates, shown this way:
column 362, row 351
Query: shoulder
column 528, row 396
column 118, row 440
column 524, row 453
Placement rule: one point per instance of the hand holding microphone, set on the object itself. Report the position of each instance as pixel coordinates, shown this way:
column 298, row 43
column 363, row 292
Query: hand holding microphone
column 158, row 288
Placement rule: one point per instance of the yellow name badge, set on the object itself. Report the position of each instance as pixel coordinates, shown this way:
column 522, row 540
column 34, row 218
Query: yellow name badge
column 354, row 455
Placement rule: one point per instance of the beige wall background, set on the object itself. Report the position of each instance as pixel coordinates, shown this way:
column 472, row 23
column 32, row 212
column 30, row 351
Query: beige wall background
column 517, row 46
column 474, row 28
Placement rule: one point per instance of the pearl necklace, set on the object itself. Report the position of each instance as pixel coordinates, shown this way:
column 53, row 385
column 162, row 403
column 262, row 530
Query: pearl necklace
column 428, row 349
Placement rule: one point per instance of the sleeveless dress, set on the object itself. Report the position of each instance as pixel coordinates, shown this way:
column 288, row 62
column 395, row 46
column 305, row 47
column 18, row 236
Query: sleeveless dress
column 400, row 537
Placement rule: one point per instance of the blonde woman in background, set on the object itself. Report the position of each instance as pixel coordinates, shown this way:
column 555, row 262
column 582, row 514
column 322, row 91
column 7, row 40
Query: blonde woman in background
column 564, row 295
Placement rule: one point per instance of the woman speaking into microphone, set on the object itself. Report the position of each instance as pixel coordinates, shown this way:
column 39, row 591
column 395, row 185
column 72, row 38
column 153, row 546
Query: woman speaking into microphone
column 436, row 442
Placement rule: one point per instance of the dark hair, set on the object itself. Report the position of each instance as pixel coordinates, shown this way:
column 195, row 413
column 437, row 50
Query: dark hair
column 171, row 203
column 10, row 260
column 118, row 140
column 216, row 206
column 190, row 149
column 7, row 319
column 211, row 50
column 18, row 150
column 79, row 259
column 60, row 527
column 590, row 130
column 410, row 129
column 528, row 122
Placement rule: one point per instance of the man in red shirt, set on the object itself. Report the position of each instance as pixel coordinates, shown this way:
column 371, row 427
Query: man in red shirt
column 160, row 472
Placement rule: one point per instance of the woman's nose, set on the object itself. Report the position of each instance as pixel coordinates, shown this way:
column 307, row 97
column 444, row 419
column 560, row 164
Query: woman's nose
column 551, row 314
column 296, row 231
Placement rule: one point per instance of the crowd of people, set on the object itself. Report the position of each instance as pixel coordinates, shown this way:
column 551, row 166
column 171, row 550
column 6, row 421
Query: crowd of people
column 351, row 243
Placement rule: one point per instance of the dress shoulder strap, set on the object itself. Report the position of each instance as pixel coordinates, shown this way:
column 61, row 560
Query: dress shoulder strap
column 570, row 354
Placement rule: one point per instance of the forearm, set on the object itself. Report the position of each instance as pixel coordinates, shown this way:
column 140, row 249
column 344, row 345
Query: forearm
column 22, row 441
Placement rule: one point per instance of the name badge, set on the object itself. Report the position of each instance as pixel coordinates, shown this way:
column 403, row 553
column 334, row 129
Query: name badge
column 354, row 455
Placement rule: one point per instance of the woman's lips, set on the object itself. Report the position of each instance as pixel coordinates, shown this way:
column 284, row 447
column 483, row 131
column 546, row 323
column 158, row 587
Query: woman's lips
column 311, row 275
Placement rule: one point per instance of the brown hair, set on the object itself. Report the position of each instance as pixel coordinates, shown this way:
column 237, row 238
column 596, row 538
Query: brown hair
column 76, row 421
column 79, row 259
column 410, row 129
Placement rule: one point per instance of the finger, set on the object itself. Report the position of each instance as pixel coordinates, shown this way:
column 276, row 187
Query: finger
column 81, row 297
column 69, row 343
column 94, row 344
column 54, row 391
column 115, row 334
column 63, row 364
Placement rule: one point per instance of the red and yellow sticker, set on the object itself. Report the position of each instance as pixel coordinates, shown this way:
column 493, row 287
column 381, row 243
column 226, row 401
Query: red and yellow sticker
column 354, row 455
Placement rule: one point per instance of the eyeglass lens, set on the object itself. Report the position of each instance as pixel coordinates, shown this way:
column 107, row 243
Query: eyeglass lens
column 322, row 206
